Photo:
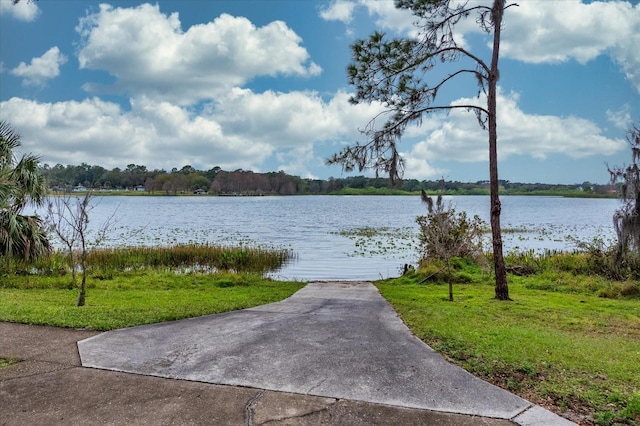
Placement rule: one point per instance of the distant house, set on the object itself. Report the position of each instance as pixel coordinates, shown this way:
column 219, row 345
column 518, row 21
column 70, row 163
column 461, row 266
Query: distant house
column 200, row 192
column 79, row 188
column 139, row 188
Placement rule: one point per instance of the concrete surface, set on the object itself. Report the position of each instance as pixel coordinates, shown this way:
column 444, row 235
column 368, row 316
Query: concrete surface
column 49, row 387
column 337, row 340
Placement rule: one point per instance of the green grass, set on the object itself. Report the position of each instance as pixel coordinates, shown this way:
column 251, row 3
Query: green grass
column 134, row 298
column 6, row 362
column 571, row 351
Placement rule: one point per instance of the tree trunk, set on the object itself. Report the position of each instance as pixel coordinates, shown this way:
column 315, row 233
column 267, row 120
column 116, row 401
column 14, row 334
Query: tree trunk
column 450, row 276
column 502, row 289
column 83, row 292
column 83, row 285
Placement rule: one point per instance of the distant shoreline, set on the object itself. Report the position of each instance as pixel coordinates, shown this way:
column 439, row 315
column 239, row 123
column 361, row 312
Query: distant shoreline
column 347, row 191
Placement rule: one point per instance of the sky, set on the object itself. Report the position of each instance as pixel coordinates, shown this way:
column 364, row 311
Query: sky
column 261, row 85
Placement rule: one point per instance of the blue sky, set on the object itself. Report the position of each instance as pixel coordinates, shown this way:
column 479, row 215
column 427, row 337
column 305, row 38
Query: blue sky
column 261, row 85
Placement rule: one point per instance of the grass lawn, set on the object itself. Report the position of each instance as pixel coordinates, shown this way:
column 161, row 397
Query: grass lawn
column 575, row 353
column 129, row 299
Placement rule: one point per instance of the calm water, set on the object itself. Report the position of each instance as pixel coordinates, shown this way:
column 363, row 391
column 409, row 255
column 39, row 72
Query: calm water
column 322, row 230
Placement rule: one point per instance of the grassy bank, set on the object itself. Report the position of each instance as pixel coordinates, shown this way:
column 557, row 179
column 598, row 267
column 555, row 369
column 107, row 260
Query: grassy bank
column 134, row 298
column 130, row 286
column 566, row 348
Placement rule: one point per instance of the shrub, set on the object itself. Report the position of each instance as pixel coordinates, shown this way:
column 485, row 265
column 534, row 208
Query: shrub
column 446, row 234
column 599, row 258
column 630, row 289
column 523, row 263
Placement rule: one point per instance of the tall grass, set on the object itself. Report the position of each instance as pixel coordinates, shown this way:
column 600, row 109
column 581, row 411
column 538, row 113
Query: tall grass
column 197, row 257
column 590, row 270
column 104, row 262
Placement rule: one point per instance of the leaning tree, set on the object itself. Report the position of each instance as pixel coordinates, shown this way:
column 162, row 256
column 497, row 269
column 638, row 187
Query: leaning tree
column 394, row 73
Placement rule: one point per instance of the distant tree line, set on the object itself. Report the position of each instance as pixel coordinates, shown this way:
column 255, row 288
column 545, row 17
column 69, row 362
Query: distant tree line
column 245, row 182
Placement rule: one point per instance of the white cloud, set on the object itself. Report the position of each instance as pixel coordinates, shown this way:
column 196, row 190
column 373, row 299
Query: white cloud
column 154, row 134
column 242, row 130
column 149, row 53
column 26, row 11
column 41, row 69
column 292, row 124
column 338, row 10
column 459, row 138
column 621, row 118
column 387, row 15
column 296, row 161
column 558, row 31
column 417, row 164
column 543, row 32
column 290, row 119
column 400, row 20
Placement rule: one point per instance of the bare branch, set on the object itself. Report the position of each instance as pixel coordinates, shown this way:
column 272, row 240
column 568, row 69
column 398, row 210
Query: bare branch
column 427, row 110
column 69, row 220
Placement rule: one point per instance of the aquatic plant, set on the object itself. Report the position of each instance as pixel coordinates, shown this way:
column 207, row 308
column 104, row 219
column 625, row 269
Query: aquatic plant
column 104, row 263
column 389, row 242
column 190, row 257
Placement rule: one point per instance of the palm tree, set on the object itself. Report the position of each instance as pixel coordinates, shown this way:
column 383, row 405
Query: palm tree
column 21, row 183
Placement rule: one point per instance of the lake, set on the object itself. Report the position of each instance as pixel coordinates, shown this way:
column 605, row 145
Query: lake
column 326, row 232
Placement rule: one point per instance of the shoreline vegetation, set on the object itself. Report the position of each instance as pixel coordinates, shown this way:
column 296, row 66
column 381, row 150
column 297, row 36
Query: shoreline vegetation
column 138, row 180
column 358, row 192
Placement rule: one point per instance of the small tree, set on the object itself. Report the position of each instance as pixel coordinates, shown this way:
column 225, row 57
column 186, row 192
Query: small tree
column 68, row 218
column 445, row 234
column 626, row 220
column 393, row 72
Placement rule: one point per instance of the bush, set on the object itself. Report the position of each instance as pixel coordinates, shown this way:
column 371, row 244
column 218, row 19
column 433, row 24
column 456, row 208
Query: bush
column 446, row 234
column 630, row 289
column 599, row 258
column 523, row 263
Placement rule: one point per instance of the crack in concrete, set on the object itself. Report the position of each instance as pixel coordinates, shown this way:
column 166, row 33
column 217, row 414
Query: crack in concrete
column 248, row 409
column 6, row 376
column 301, row 416
column 529, row 407
column 316, row 386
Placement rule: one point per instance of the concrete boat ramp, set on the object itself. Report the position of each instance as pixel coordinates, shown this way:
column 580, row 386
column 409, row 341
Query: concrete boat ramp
column 338, row 341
